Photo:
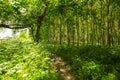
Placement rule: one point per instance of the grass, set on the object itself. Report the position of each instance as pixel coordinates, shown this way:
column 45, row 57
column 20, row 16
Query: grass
column 25, row 61
column 21, row 60
column 91, row 62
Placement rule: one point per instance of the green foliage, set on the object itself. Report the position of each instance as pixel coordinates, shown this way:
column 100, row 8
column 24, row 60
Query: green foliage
column 91, row 62
column 72, row 22
column 93, row 18
column 23, row 34
column 25, row 61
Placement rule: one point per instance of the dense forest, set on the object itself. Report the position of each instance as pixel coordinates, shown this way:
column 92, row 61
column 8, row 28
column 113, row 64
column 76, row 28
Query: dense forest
column 82, row 34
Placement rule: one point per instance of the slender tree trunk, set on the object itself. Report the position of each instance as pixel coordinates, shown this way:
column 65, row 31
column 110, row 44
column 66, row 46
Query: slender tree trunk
column 90, row 28
column 111, row 28
column 78, row 29
column 98, row 33
column 68, row 35
column 54, row 33
column 118, row 37
column 60, row 25
column 73, row 35
column 108, row 23
column 119, row 30
column 84, row 33
column 103, row 33
column 87, row 36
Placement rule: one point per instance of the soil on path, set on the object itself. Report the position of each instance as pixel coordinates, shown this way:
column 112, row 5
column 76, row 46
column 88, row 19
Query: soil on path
column 62, row 67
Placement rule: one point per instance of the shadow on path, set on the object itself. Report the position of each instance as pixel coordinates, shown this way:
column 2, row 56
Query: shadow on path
column 62, row 68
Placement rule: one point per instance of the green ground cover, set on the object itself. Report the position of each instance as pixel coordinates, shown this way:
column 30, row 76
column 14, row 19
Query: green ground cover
column 25, row 61
column 91, row 62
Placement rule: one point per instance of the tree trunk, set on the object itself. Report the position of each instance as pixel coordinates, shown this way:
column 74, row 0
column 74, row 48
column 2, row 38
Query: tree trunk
column 78, row 29
column 119, row 32
column 39, row 24
column 108, row 23
column 37, row 34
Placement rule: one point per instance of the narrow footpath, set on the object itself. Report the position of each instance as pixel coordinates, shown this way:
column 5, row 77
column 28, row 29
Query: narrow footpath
column 62, row 67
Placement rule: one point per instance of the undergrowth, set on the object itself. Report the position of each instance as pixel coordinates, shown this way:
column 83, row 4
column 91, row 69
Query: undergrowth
column 91, row 62
column 25, row 61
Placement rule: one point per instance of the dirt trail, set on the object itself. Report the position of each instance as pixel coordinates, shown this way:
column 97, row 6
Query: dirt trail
column 62, row 68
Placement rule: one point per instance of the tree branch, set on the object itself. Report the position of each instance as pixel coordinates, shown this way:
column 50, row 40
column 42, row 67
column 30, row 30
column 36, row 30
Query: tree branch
column 5, row 26
column 8, row 26
column 40, row 18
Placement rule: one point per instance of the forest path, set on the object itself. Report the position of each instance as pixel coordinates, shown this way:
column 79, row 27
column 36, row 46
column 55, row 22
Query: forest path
column 62, row 67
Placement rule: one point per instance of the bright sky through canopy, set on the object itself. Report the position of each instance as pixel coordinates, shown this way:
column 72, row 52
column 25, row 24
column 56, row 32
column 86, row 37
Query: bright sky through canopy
column 6, row 33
